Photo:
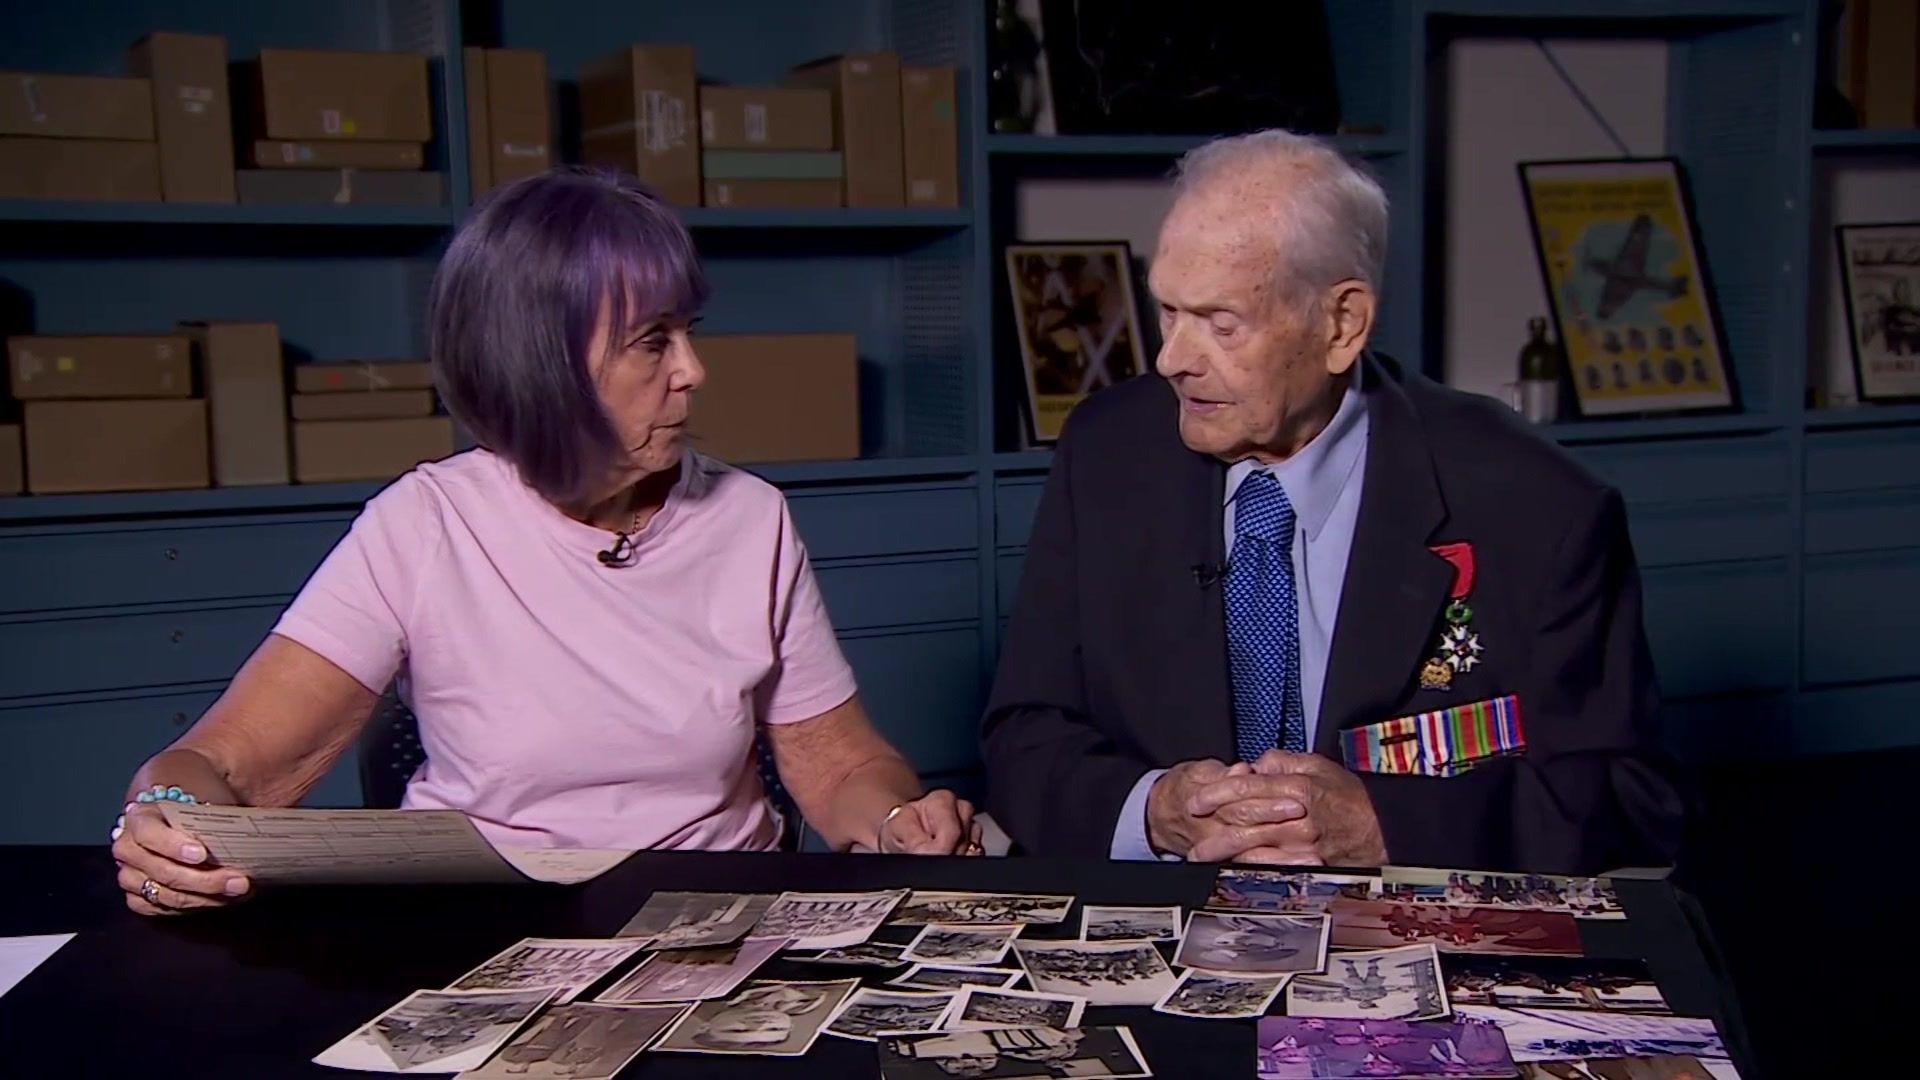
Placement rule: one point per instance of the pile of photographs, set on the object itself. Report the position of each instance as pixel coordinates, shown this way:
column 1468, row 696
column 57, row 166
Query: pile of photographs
column 1411, row 973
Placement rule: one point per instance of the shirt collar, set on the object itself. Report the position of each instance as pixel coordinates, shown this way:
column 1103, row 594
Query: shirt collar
column 1315, row 476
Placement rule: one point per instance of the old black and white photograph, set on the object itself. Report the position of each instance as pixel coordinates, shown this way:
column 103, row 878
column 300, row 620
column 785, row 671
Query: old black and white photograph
column 691, row 974
column 581, row 1041
column 1387, row 984
column 939, row 977
column 688, row 920
column 865, row 954
column 779, row 1019
column 1103, row 972
column 1099, row 923
column 439, row 1031
column 962, row 946
column 826, row 920
column 1039, row 1053
column 924, row 907
column 569, row 965
column 1209, row 996
column 871, row 1013
column 979, row 1008
column 1254, row 944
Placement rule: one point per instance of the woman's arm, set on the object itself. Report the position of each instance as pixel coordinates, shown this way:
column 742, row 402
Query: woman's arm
column 846, row 779
column 277, row 729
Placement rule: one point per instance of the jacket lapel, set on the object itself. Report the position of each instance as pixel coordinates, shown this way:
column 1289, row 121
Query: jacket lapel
column 1193, row 622
column 1395, row 587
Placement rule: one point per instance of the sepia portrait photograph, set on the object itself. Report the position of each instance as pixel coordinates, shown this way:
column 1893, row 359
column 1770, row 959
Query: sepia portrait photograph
column 685, row 920
column 778, row 1019
column 691, row 974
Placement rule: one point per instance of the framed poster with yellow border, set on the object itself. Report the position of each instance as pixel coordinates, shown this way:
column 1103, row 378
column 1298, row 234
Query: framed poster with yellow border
column 1628, row 287
column 1078, row 324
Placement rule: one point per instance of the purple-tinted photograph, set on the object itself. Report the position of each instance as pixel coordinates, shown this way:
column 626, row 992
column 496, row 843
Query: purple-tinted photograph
column 1316, row 1048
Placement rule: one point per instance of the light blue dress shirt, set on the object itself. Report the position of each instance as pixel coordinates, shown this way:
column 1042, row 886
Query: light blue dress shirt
column 1323, row 482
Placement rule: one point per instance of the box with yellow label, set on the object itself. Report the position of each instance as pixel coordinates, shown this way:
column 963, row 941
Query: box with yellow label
column 43, row 367
column 341, row 94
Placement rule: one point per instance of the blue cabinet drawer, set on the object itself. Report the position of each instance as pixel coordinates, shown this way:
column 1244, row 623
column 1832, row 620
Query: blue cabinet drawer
column 84, row 755
column 902, row 593
column 1015, row 504
column 47, row 571
column 1862, row 623
column 77, row 655
column 1735, row 468
column 899, row 522
column 1864, row 460
column 924, row 692
column 1720, row 629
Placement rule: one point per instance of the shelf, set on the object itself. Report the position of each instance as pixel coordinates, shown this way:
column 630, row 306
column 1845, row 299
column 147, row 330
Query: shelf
column 27, row 509
column 1862, row 416
column 709, row 217
column 1019, row 461
column 1866, row 141
column 58, row 211
column 1156, row 145
column 889, row 468
column 1649, row 429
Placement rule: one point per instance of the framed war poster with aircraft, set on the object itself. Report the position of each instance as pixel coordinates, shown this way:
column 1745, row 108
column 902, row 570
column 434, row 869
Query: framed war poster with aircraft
column 1627, row 286
column 1079, row 326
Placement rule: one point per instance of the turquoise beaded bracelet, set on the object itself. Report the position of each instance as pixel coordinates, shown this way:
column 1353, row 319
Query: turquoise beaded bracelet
column 156, row 794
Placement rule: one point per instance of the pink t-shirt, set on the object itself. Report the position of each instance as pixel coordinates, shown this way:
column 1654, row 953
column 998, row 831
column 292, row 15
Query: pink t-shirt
column 563, row 703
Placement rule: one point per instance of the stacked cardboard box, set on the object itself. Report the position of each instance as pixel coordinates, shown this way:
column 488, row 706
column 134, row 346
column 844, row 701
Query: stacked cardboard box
column 369, row 420
column 866, row 123
column 930, row 136
column 1879, row 61
column 768, row 147
column 77, row 137
column 245, row 378
column 509, row 121
column 637, row 114
column 778, row 397
column 339, row 126
column 109, row 412
column 166, row 134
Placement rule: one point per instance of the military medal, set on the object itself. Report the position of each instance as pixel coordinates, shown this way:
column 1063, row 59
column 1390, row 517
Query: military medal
column 1459, row 648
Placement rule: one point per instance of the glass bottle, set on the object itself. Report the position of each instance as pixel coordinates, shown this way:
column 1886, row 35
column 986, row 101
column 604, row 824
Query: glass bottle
column 1540, row 367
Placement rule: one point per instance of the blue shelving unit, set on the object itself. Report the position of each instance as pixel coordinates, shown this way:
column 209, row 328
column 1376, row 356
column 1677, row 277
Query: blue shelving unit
column 1779, row 544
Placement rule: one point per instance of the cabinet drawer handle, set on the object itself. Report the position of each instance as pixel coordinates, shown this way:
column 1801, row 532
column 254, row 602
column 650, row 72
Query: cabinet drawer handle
column 177, row 636
column 172, row 554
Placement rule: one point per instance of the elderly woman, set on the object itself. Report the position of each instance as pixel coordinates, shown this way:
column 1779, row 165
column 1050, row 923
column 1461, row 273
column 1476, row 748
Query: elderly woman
column 592, row 621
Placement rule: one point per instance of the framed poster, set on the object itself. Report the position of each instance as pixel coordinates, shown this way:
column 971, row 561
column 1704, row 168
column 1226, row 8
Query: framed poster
column 1627, row 286
column 1880, row 269
column 1079, row 328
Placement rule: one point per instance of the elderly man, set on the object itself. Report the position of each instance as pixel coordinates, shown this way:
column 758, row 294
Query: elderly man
column 1293, row 603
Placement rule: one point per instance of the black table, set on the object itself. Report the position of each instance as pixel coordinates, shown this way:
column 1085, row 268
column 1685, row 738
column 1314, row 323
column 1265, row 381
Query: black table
column 256, row 992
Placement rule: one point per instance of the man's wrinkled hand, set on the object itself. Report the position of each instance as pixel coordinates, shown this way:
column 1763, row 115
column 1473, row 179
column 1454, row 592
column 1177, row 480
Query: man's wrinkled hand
column 1180, row 823
column 1338, row 828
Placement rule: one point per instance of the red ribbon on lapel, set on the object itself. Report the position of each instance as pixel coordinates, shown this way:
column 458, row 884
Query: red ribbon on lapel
column 1461, row 556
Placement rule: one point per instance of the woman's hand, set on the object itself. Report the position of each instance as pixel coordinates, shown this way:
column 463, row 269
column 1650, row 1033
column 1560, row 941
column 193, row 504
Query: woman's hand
column 934, row 824
column 164, row 871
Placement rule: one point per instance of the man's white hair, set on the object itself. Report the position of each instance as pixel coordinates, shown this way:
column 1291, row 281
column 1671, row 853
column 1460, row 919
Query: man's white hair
column 1329, row 216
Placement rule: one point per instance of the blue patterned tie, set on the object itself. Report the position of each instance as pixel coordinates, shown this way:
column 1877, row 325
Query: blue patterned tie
column 1263, row 622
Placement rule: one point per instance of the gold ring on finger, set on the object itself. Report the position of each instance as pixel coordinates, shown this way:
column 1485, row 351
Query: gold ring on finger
column 150, row 892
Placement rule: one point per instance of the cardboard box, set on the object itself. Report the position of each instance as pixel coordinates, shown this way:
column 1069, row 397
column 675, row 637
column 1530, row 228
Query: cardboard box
column 342, row 187
column 13, row 466
column 773, row 194
column 866, row 122
column 282, row 154
column 637, row 113
column 47, row 367
column 96, row 170
column 335, row 376
column 192, row 116
column 771, row 165
column 365, row 405
column 329, row 451
column 765, row 118
column 245, row 377
column 519, row 120
column 473, row 66
column 116, row 445
column 342, row 94
column 777, row 397
column 75, row 106
column 929, row 136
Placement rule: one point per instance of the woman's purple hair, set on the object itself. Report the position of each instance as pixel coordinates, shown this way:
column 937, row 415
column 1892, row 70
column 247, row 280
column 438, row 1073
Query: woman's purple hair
column 514, row 304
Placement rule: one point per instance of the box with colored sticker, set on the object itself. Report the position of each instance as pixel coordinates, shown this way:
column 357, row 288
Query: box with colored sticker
column 341, row 94
column 44, row 367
